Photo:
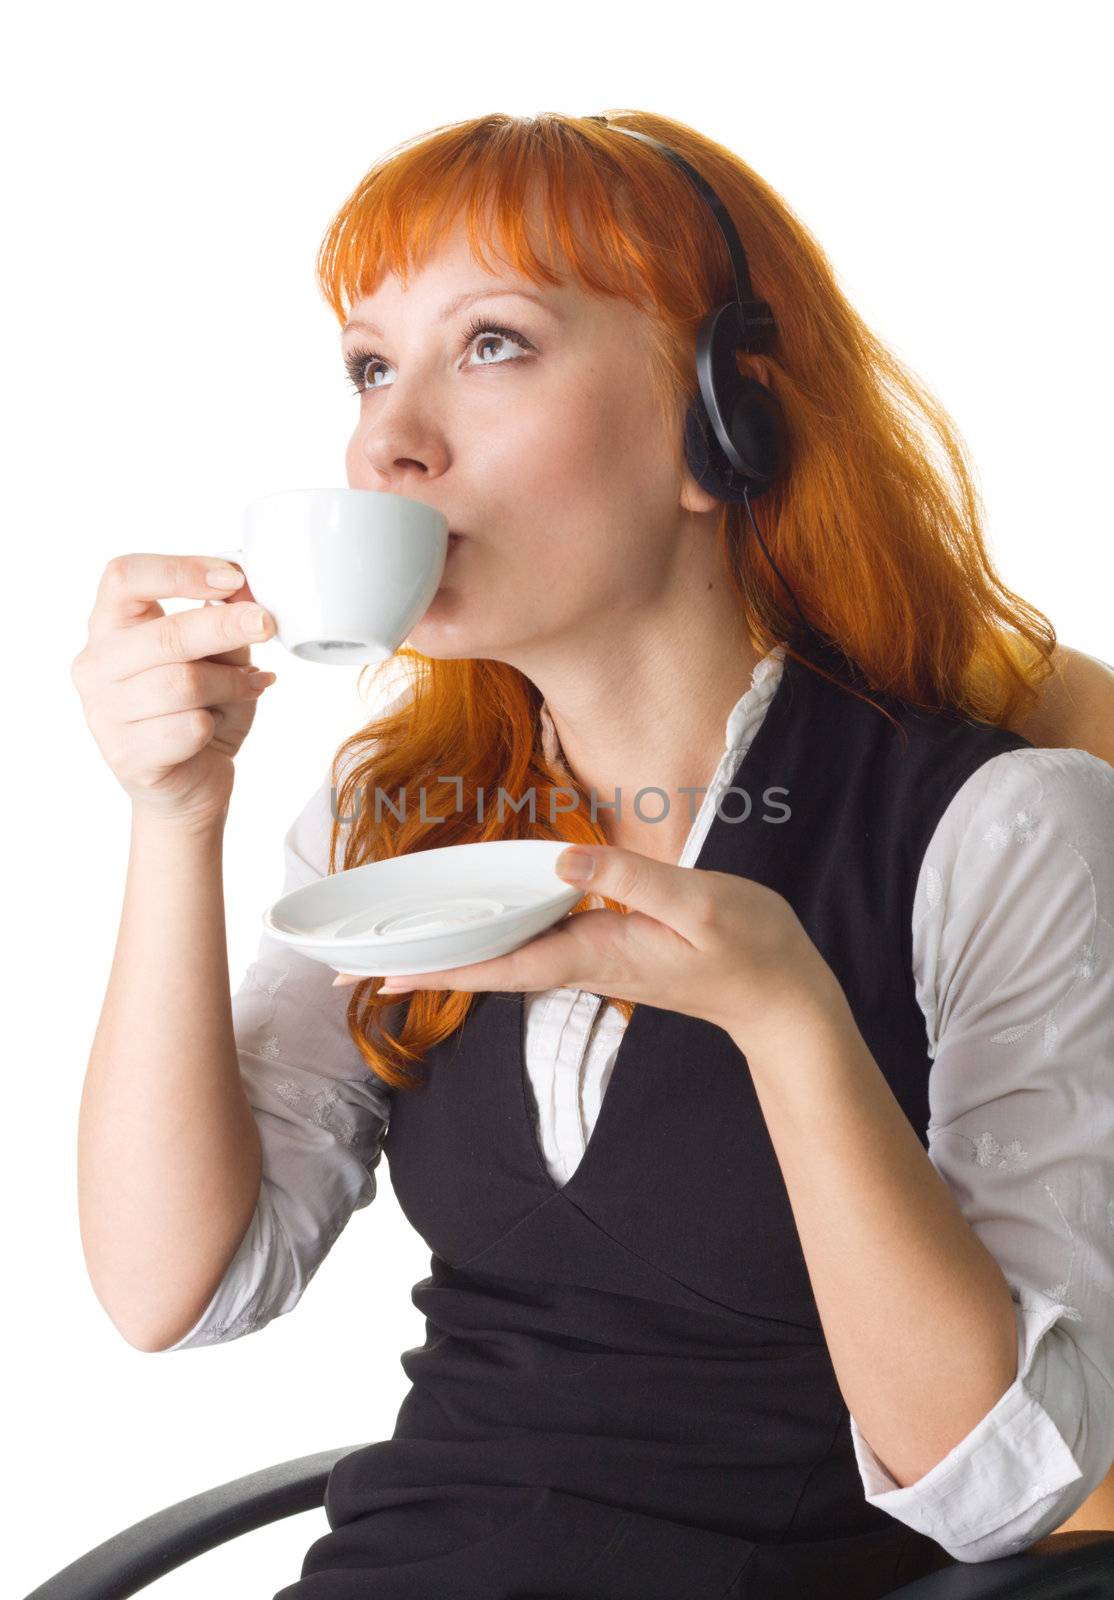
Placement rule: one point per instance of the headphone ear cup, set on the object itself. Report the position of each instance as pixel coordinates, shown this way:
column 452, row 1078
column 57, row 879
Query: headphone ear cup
column 705, row 459
column 758, row 431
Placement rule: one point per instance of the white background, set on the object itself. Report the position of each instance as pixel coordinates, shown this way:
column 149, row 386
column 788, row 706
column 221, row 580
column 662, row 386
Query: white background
column 167, row 357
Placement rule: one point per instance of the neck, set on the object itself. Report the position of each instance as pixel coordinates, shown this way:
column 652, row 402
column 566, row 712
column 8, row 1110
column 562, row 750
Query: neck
column 649, row 712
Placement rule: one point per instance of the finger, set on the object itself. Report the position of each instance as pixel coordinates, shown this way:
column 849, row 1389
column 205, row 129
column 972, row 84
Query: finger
column 676, row 896
column 131, row 586
column 475, row 977
column 547, row 961
column 190, row 635
column 182, row 686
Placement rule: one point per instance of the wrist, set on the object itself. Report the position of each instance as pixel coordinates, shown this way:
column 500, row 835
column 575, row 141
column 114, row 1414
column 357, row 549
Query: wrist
column 812, row 1008
column 206, row 831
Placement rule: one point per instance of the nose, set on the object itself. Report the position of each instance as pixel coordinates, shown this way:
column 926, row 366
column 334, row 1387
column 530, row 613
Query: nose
column 400, row 442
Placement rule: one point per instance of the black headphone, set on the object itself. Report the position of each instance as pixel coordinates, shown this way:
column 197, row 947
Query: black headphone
column 736, row 438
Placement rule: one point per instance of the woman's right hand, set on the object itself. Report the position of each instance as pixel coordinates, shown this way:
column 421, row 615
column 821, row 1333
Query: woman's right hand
column 169, row 699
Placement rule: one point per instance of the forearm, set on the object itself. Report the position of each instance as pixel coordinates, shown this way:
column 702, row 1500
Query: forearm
column 169, row 1156
column 916, row 1312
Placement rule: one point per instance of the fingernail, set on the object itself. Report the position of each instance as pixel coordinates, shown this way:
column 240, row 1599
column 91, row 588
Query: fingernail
column 224, row 578
column 577, row 865
column 256, row 622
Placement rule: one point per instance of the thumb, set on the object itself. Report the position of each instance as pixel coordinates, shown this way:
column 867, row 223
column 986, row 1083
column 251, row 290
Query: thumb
column 660, row 890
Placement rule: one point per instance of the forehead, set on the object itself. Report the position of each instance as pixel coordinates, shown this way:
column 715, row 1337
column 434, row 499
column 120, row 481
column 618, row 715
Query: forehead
column 446, row 266
column 451, row 266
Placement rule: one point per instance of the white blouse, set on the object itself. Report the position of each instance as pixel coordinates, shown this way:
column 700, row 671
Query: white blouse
column 1013, row 952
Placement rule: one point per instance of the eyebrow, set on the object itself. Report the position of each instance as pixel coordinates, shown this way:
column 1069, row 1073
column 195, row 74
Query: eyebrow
column 457, row 304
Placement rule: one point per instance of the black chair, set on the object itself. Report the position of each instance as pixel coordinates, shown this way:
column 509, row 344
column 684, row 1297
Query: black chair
column 1064, row 1566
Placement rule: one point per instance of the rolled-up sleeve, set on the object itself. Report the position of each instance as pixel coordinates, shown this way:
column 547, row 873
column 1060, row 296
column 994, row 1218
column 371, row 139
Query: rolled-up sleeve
column 1013, row 942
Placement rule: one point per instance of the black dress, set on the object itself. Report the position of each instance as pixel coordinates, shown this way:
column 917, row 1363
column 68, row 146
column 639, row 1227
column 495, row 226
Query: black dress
column 625, row 1391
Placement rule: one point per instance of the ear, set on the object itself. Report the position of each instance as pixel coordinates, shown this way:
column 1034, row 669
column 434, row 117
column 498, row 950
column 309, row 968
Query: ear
column 754, row 367
column 694, row 498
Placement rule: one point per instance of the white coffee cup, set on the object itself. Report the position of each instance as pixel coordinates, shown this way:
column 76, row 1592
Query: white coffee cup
column 346, row 573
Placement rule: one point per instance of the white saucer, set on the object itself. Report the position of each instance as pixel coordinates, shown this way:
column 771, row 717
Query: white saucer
column 427, row 911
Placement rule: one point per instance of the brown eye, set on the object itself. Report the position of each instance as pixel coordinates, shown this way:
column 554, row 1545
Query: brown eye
column 357, row 362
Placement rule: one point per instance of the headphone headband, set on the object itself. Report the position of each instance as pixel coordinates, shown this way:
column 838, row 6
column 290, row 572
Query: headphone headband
column 756, row 326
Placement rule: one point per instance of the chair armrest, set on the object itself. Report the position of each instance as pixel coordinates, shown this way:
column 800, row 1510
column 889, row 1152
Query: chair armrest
column 1063, row 1566
column 167, row 1539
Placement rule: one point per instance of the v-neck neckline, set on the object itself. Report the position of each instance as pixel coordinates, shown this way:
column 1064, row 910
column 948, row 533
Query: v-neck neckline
column 611, row 1107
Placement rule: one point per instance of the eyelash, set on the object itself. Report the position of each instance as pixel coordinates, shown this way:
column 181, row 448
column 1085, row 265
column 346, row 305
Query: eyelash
column 356, row 362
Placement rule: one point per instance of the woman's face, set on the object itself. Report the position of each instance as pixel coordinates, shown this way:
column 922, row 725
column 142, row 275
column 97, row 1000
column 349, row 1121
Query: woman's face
column 546, row 454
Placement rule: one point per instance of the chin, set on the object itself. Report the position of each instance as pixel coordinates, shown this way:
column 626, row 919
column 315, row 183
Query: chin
column 443, row 634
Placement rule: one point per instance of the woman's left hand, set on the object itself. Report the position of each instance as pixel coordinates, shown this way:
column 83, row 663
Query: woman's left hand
column 706, row 944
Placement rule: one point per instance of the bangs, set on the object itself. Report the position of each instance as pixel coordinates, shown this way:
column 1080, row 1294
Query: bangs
column 504, row 175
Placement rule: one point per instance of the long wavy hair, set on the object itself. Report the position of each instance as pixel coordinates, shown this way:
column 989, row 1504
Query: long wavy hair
column 877, row 525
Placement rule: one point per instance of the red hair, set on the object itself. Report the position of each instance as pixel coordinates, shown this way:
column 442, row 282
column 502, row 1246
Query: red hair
column 877, row 524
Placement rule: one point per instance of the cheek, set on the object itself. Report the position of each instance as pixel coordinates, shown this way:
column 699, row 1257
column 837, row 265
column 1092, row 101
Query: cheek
column 573, row 450
column 582, row 485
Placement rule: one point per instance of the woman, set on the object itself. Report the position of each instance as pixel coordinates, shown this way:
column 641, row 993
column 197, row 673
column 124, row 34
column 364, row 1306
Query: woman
column 727, row 1328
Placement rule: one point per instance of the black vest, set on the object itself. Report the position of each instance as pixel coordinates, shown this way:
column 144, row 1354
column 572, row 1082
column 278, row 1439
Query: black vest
column 625, row 1388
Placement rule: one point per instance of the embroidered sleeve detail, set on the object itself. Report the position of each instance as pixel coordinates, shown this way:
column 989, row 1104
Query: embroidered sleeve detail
column 988, row 1152
column 322, row 1106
